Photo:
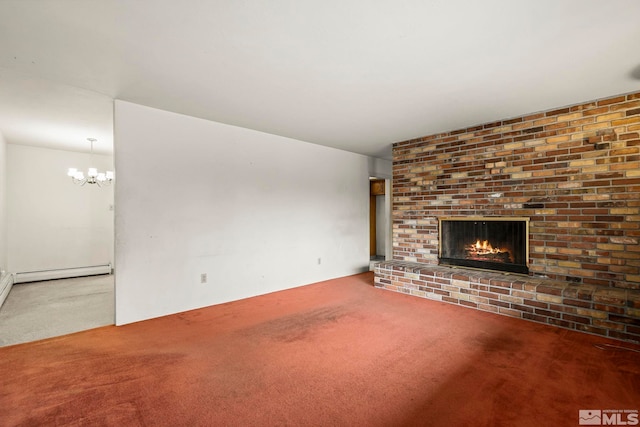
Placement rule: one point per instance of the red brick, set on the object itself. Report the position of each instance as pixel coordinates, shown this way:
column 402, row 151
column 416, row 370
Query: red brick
column 623, row 336
column 535, row 317
column 610, row 101
column 592, row 329
column 576, row 319
column 499, row 303
column 547, row 313
column 561, row 323
column 624, row 319
column 577, row 303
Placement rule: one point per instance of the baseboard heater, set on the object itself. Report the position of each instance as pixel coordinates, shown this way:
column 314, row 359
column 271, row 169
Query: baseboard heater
column 6, row 281
column 63, row 273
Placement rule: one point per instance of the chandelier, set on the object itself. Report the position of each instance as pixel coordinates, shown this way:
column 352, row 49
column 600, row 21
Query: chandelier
column 93, row 176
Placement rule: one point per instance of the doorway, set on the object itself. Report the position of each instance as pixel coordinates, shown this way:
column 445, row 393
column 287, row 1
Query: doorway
column 52, row 230
column 59, row 246
column 379, row 220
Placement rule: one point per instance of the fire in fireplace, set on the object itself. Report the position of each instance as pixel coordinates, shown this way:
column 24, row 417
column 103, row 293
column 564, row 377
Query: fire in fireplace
column 485, row 242
column 486, row 252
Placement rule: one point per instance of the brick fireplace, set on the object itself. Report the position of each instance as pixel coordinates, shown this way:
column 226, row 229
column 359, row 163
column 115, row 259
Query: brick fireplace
column 574, row 172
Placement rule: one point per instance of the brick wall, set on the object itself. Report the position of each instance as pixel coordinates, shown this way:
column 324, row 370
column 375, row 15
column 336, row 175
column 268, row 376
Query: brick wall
column 575, row 171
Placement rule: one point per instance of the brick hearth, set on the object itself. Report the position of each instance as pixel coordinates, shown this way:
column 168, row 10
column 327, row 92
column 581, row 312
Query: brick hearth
column 610, row 312
column 574, row 171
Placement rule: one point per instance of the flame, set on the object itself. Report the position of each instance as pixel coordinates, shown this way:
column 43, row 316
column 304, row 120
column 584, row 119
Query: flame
column 483, row 250
column 485, row 246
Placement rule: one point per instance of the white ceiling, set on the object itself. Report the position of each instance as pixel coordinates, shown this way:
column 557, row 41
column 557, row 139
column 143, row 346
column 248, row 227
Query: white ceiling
column 353, row 74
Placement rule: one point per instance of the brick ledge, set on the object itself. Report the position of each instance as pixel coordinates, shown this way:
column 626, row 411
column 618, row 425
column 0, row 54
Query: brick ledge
column 610, row 312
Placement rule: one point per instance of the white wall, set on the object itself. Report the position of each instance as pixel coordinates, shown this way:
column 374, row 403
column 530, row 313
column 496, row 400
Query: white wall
column 380, row 168
column 53, row 223
column 255, row 212
column 3, row 204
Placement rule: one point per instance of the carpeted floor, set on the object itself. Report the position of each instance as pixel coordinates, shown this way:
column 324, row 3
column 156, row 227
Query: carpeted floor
column 38, row 310
column 338, row 353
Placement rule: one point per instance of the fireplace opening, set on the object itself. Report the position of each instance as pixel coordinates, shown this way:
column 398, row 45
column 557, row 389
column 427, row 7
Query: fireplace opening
column 490, row 243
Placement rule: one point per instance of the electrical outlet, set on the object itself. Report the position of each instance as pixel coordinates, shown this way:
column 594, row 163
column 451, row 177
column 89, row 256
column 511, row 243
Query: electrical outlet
column 203, row 278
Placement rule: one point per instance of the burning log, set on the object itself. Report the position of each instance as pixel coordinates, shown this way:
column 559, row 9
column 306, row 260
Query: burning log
column 484, row 251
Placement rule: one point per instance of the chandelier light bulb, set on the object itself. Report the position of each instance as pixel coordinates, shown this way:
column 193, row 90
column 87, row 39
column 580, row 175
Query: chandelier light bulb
column 93, row 176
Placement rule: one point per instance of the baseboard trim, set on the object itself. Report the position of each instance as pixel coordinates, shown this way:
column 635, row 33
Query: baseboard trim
column 6, row 281
column 64, row 273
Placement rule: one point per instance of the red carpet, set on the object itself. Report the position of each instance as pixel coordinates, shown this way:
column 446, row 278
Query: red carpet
column 338, row 353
